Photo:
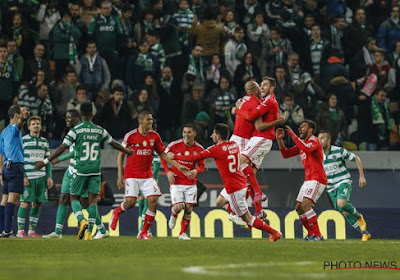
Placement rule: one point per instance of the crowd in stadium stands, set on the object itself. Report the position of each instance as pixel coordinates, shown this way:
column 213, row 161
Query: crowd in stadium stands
column 186, row 61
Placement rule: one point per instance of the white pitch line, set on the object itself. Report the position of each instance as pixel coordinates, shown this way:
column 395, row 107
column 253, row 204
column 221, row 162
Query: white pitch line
column 216, row 270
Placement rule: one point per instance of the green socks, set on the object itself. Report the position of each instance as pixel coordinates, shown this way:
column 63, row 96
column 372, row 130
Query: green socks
column 93, row 213
column 61, row 214
column 21, row 218
column 77, row 208
column 349, row 208
column 99, row 224
column 34, row 218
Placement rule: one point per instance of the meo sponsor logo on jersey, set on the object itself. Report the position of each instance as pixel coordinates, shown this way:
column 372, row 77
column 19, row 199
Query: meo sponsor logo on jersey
column 144, row 152
column 332, row 167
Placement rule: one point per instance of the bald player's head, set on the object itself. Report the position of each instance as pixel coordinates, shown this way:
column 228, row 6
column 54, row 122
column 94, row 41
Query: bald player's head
column 252, row 87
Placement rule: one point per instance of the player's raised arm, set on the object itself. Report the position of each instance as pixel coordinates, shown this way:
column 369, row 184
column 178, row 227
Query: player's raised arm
column 261, row 126
column 39, row 165
column 181, row 168
column 361, row 181
column 118, row 146
column 286, row 153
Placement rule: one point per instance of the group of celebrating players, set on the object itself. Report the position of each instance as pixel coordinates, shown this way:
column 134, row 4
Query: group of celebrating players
column 237, row 160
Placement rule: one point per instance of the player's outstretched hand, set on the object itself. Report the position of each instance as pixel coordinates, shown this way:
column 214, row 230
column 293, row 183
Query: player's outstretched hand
column 233, row 110
column 281, row 118
column 239, row 103
column 171, row 177
column 39, row 165
column 120, row 182
column 288, row 129
column 280, row 133
column 170, row 155
column 362, row 182
column 192, row 174
column 50, row 183
column 131, row 152
column 185, row 170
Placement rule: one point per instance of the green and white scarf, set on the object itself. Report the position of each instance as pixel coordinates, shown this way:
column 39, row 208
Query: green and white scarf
column 377, row 112
column 192, row 68
column 144, row 60
column 72, row 51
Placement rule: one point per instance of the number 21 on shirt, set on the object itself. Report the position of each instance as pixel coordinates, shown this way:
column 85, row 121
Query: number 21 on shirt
column 233, row 163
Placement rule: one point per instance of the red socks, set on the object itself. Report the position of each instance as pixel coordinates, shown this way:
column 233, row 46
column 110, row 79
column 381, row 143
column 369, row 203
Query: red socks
column 259, row 224
column 185, row 223
column 251, row 177
column 309, row 220
column 148, row 220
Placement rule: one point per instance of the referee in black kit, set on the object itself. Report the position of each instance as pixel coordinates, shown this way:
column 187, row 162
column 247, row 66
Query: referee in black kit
column 12, row 160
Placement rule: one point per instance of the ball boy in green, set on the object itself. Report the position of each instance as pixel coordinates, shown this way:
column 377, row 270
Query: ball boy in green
column 87, row 138
column 36, row 182
column 339, row 182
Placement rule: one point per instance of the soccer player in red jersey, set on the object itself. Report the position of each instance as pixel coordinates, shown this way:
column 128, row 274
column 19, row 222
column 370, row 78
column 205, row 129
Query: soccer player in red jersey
column 310, row 150
column 227, row 158
column 184, row 188
column 265, row 116
column 138, row 175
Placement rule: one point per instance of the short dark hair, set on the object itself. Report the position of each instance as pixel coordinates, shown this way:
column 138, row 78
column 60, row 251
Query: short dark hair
column 222, row 130
column 327, row 133
column 80, row 87
column 90, row 42
column 74, row 113
column 86, row 109
column 288, row 95
column 3, row 46
column 190, row 126
column 14, row 109
column 117, row 88
column 277, row 29
column 311, row 124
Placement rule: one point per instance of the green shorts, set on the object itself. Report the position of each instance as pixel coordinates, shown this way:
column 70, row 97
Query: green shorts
column 66, row 184
column 342, row 192
column 37, row 190
column 82, row 185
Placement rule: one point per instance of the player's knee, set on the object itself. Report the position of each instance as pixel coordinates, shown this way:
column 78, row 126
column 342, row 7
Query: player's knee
column 129, row 203
column 64, row 199
column 36, row 204
column 221, row 201
column 178, row 207
column 25, row 204
column 345, row 213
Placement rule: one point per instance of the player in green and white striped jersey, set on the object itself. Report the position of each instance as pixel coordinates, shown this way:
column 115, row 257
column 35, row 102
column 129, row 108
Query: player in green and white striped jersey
column 36, row 182
column 87, row 138
column 339, row 182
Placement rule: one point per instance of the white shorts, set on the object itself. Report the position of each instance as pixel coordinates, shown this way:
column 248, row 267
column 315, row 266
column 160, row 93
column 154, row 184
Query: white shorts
column 183, row 193
column 240, row 141
column 311, row 190
column 147, row 187
column 237, row 201
column 256, row 149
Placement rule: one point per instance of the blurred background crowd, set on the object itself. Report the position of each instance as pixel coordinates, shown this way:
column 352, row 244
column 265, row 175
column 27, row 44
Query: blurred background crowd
column 186, row 61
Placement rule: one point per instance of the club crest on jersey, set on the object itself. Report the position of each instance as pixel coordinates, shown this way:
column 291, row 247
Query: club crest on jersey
column 152, row 142
column 224, row 148
column 187, row 153
column 334, row 157
column 195, row 153
column 144, row 143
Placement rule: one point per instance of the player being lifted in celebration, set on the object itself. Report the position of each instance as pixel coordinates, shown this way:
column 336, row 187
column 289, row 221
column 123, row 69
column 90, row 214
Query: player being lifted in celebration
column 265, row 117
column 184, row 189
column 138, row 176
column 339, row 182
column 310, row 150
column 227, row 158
column 72, row 118
column 36, row 182
column 87, row 138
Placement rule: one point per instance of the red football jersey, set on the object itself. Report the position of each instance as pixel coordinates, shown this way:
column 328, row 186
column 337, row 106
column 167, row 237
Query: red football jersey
column 312, row 155
column 178, row 147
column 226, row 155
column 245, row 128
column 139, row 165
column 269, row 109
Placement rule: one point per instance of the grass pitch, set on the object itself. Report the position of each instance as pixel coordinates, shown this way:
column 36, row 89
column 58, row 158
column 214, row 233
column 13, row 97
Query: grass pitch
column 170, row 258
